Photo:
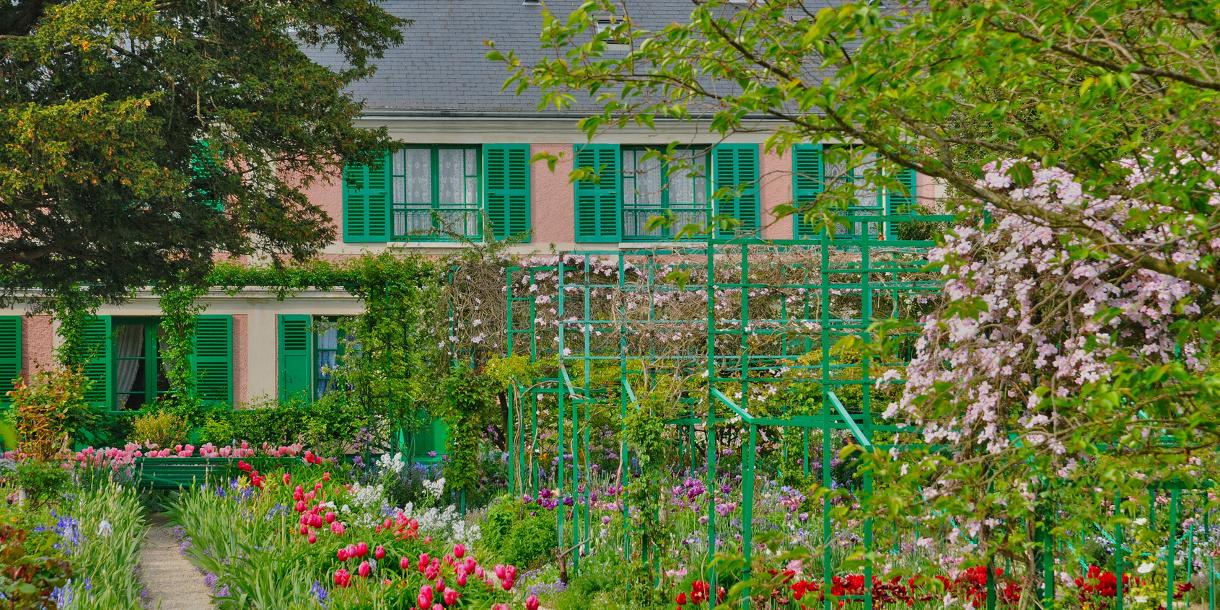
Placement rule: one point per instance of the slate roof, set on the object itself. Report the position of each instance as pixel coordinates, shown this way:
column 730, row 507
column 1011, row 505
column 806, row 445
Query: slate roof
column 441, row 68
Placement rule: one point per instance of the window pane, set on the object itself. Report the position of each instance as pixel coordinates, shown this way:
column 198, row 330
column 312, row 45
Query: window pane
column 399, row 176
column 647, row 179
column 452, row 175
column 129, row 365
column 419, row 175
column 685, row 179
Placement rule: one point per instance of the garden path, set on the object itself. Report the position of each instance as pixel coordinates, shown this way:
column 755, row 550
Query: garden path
column 172, row 580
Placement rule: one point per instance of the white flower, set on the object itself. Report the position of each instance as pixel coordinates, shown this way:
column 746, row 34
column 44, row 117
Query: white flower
column 1146, row 568
column 1140, row 521
column 435, row 488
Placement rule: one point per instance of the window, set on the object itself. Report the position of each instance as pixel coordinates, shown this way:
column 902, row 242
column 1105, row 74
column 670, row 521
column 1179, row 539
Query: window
column 310, row 347
column 673, row 186
column 867, row 198
column 812, row 172
column 619, row 189
column 435, row 193
column 438, row 193
column 122, row 359
column 328, row 351
column 139, row 375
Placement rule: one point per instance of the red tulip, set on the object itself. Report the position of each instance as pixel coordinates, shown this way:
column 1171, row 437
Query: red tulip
column 451, row 597
column 379, row 553
column 287, row 477
column 342, row 577
column 459, row 550
column 424, row 560
column 312, row 538
column 341, row 554
column 330, row 517
column 362, row 549
column 531, row 602
column 364, row 570
column 300, row 506
column 404, row 563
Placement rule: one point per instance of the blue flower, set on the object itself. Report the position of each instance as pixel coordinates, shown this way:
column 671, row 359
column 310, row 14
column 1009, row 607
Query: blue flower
column 319, row 592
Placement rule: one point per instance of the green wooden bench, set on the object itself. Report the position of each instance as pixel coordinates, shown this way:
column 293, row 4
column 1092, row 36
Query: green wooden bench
column 176, row 473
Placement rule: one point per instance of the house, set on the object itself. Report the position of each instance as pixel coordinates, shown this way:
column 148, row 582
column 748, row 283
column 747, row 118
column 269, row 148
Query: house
column 464, row 155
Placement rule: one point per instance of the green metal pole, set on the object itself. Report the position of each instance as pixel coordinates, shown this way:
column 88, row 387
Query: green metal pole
column 747, row 513
column 709, row 423
column 1171, row 547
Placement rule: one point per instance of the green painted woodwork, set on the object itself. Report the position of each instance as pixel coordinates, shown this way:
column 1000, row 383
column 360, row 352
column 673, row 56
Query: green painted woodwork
column 506, row 185
column 366, row 201
column 598, row 200
column 735, row 180
column 96, row 346
column 173, row 473
column 212, row 358
column 808, row 180
column 10, row 355
column 295, row 357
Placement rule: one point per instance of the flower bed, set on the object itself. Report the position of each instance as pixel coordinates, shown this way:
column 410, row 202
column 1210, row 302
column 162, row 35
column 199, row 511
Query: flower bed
column 301, row 537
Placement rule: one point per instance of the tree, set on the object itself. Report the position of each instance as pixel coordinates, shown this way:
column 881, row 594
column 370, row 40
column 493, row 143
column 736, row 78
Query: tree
column 140, row 139
column 1084, row 138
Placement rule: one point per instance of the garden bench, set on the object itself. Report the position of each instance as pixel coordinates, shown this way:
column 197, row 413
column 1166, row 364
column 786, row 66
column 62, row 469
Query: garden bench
column 175, row 472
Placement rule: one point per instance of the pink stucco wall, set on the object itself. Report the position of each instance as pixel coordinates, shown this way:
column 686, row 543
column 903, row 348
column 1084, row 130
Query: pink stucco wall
column 241, row 358
column 775, row 174
column 37, row 344
column 327, row 192
column 552, row 211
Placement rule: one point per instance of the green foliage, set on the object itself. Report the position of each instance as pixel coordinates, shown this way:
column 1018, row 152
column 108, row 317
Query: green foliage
column 101, row 120
column 30, row 567
column 326, row 427
column 179, row 301
column 159, row 429
column 48, row 410
column 520, row 534
column 467, row 403
column 105, row 558
column 42, row 482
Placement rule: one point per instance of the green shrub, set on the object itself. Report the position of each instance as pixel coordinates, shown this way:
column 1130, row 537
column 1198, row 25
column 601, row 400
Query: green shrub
column 159, row 429
column 30, row 567
column 518, row 533
column 48, row 409
column 326, row 426
column 42, row 482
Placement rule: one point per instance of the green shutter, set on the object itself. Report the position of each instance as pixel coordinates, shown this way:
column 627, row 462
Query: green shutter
column 431, row 438
column 599, row 202
column 10, row 354
column 295, row 356
column 366, row 201
column 506, row 174
column 736, row 173
column 902, row 201
column 807, row 183
column 204, row 168
column 212, row 359
column 96, row 345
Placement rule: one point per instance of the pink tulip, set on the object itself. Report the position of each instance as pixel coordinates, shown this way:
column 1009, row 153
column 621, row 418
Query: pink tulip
column 423, row 562
column 379, row 553
column 500, row 571
column 451, row 597
column 330, row 517
column 531, row 602
column 364, row 570
column 299, row 506
column 287, row 477
column 341, row 554
column 312, row 538
column 425, row 595
column 336, row 527
column 459, row 550
column 461, row 579
column 404, row 563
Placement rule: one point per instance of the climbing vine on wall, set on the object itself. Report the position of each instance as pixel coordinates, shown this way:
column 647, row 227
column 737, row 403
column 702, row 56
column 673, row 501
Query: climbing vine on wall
column 179, row 307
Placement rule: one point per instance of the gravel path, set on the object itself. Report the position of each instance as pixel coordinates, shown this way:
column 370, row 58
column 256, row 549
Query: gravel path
column 172, row 580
